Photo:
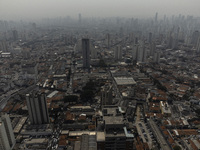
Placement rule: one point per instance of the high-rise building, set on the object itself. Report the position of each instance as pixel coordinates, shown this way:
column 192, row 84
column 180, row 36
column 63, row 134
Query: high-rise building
column 156, row 18
column 4, row 46
column 136, row 40
column 152, row 48
column 79, row 19
column 86, row 53
column 93, row 52
column 130, row 37
column 118, row 53
column 108, row 40
column 150, row 37
column 156, row 57
column 135, row 52
column 7, row 138
column 195, row 37
column 139, row 52
column 198, row 46
column 142, row 53
column 15, row 35
column 37, row 108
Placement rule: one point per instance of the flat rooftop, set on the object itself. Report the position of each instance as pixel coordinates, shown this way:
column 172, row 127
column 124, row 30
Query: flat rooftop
column 124, row 81
column 81, row 107
column 115, row 134
column 37, row 141
column 100, row 136
column 113, row 120
column 20, row 124
column 80, row 133
column 111, row 110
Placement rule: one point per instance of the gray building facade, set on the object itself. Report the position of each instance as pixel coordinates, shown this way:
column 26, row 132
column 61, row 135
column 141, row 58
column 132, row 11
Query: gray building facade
column 37, row 108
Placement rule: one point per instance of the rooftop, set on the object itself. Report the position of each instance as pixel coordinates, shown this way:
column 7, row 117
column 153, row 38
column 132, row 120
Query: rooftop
column 100, row 136
column 109, row 120
column 124, row 81
column 80, row 133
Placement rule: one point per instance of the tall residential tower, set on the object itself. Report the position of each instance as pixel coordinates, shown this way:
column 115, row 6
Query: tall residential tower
column 37, row 108
column 86, row 53
column 7, row 138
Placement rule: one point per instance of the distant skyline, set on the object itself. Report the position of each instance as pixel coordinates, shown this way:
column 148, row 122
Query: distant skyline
column 38, row 9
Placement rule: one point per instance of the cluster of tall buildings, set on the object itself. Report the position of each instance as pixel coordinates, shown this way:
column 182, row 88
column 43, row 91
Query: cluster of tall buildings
column 139, row 52
column 38, row 114
column 195, row 40
column 115, row 117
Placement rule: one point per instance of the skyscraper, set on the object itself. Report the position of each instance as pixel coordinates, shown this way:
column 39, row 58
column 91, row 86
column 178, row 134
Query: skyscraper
column 152, row 48
column 195, row 37
column 15, row 35
column 108, row 40
column 37, row 108
column 118, row 53
column 150, row 37
column 93, row 52
column 135, row 52
column 198, row 46
column 156, row 18
column 4, row 46
column 142, row 53
column 156, row 57
column 86, row 53
column 79, row 18
column 7, row 138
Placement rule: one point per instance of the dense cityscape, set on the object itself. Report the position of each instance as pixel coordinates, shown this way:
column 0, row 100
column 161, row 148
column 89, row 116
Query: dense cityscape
column 110, row 83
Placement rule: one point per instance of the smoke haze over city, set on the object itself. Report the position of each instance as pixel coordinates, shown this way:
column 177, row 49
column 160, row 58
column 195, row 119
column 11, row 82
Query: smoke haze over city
column 99, row 74
column 37, row 9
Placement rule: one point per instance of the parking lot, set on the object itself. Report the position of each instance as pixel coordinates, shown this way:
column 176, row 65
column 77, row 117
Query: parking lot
column 143, row 128
column 144, row 132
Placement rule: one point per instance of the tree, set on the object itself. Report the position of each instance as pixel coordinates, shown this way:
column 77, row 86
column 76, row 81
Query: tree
column 87, row 95
column 176, row 147
column 102, row 63
column 88, row 91
column 197, row 112
column 70, row 98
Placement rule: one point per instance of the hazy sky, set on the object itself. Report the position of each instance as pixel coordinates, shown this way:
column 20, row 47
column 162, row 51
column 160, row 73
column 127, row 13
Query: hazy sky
column 36, row 9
